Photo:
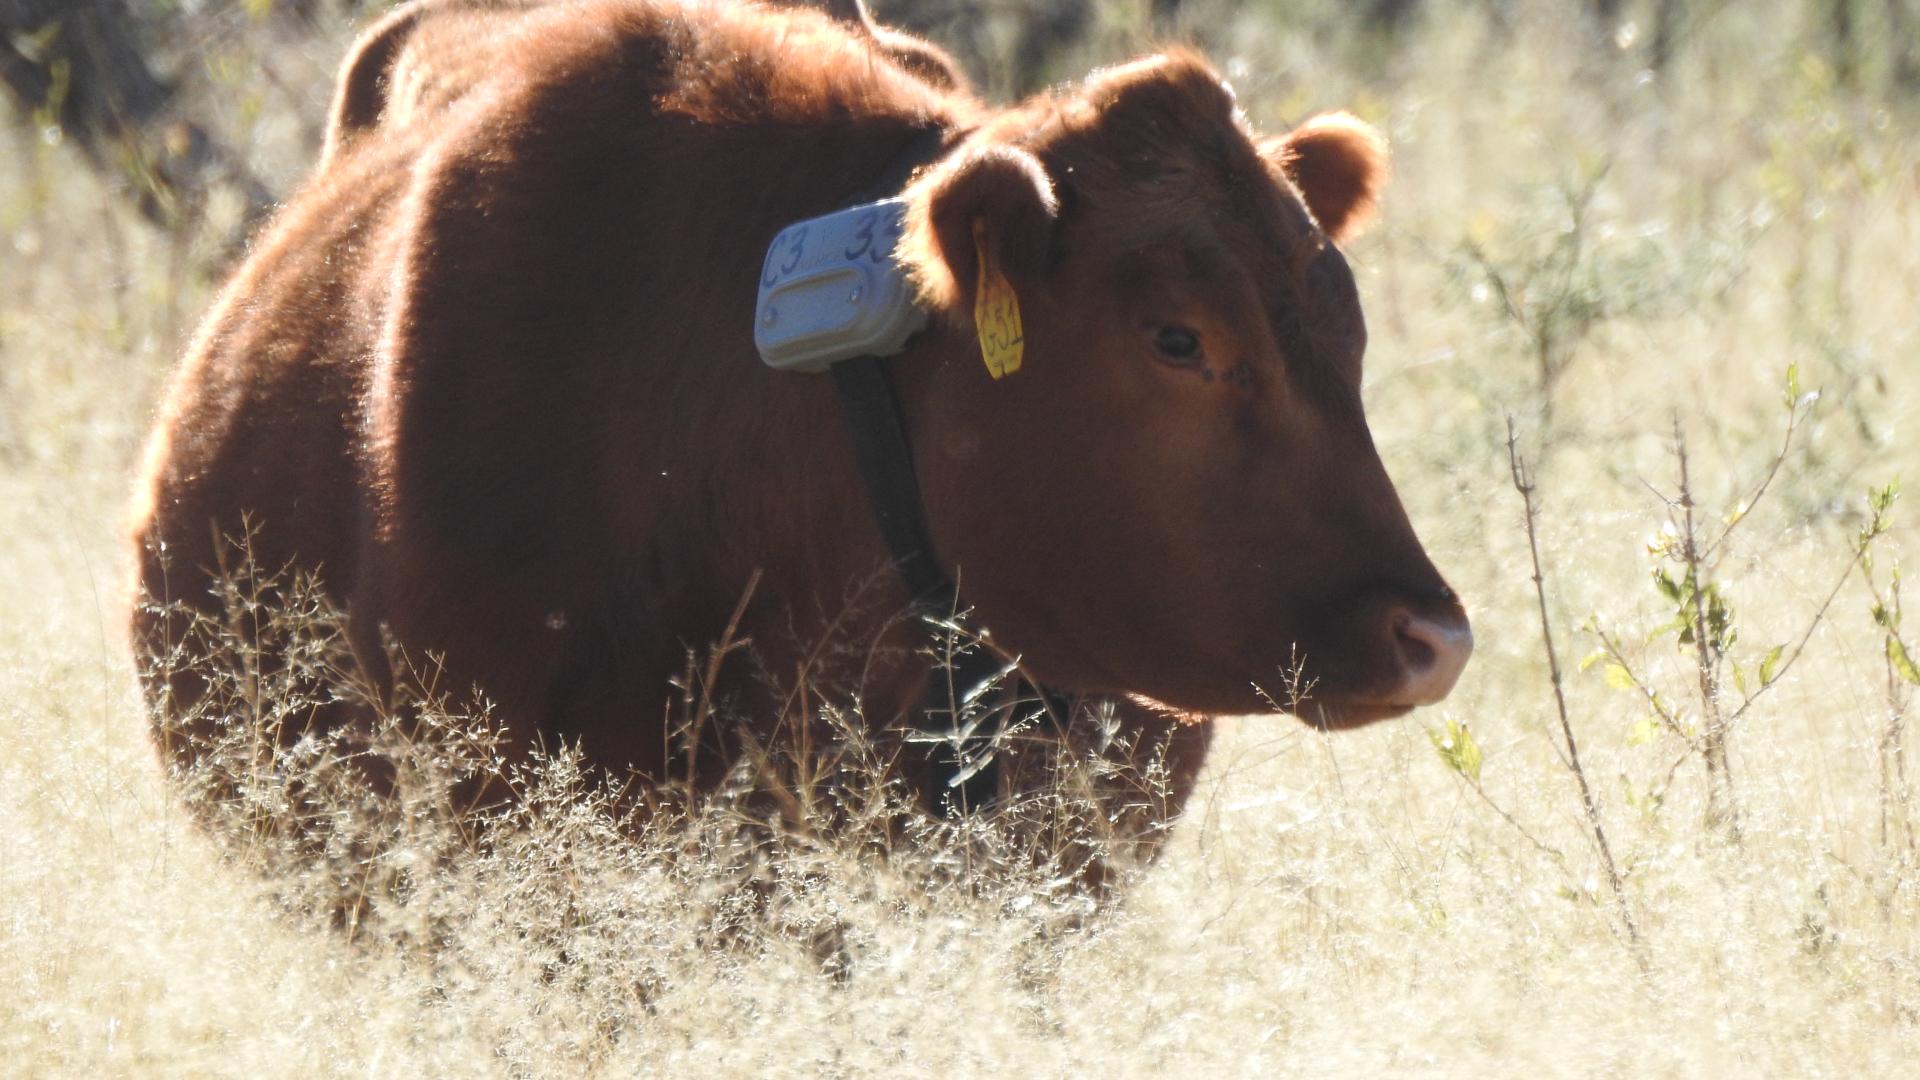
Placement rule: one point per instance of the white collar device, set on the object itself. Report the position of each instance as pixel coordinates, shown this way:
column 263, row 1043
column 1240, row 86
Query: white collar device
column 830, row 290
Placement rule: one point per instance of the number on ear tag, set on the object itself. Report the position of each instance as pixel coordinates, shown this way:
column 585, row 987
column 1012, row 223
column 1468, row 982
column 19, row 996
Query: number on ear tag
column 996, row 311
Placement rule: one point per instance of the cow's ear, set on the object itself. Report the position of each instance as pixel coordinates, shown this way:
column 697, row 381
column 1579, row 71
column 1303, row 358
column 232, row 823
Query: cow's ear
column 990, row 202
column 359, row 96
column 1339, row 163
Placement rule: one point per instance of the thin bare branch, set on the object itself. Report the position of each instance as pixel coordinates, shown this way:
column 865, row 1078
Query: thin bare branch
column 1667, row 719
column 1555, row 853
column 1806, row 635
column 710, row 675
column 1745, row 505
column 1524, row 485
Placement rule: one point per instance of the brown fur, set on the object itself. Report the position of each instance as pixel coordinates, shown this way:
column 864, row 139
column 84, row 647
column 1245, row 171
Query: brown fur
column 491, row 375
column 425, row 54
column 414, row 61
column 1339, row 165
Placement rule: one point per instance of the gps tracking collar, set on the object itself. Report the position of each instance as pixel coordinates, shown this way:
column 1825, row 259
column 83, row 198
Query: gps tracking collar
column 833, row 298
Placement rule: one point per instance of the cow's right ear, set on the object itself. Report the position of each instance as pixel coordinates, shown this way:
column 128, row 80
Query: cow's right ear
column 993, row 202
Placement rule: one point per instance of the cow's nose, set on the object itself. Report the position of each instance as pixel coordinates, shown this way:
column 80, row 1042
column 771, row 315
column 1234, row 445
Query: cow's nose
column 1433, row 652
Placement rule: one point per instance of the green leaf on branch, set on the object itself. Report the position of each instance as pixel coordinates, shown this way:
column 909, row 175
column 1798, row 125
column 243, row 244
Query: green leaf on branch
column 1456, row 747
column 1880, row 517
column 1770, row 666
column 1794, row 398
column 1591, row 659
column 1619, row 677
column 1881, row 499
column 1676, row 625
column 1644, row 730
column 1668, row 587
column 1902, row 663
column 1646, row 801
column 1721, row 633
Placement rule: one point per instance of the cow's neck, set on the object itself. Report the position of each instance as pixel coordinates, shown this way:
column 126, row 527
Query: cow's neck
column 961, row 778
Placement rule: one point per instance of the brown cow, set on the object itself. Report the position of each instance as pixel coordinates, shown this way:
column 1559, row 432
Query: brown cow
column 492, row 376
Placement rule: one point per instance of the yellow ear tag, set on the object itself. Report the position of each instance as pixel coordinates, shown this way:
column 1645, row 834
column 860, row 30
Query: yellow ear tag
column 996, row 311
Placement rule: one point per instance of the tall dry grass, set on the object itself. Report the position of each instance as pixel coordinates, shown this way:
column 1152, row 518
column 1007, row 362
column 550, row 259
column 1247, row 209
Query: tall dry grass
column 1567, row 240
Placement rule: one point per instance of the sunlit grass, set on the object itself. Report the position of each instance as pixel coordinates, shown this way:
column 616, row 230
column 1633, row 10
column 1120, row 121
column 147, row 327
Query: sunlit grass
column 1347, row 904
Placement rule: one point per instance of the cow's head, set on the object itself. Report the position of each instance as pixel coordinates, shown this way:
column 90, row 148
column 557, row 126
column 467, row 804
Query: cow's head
column 1177, row 494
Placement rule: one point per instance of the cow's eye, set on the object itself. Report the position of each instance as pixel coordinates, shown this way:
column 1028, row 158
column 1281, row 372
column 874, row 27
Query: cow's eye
column 1177, row 345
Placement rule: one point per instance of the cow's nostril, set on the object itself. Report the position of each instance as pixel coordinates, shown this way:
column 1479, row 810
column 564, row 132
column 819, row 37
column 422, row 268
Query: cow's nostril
column 1416, row 654
column 1433, row 652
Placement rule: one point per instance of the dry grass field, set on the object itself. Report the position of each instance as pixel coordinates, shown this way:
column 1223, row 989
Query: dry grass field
column 1572, row 240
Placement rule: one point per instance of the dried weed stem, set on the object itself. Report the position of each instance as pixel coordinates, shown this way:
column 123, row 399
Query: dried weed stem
column 1523, row 483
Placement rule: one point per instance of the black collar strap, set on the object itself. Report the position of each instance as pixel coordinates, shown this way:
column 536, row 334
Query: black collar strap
column 963, row 775
column 879, row 437
column 962, row 772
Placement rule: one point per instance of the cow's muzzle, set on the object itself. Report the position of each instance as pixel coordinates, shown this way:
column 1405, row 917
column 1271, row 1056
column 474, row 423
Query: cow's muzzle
column 1432, row 651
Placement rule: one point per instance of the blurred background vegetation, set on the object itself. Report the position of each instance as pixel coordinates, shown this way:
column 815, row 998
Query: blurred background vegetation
column 157, row 94
column 120, row 80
